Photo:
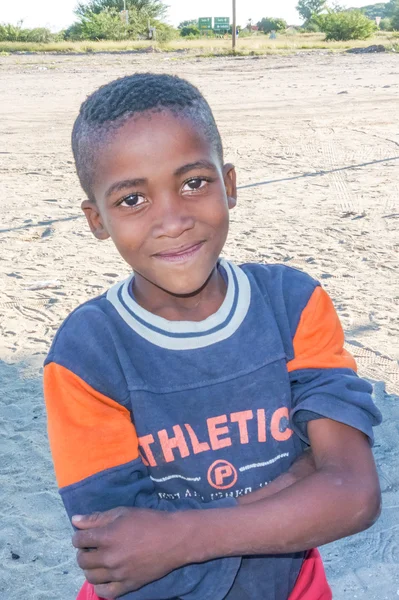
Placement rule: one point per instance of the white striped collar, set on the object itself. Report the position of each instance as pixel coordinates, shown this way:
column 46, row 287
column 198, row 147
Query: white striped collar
column 186, row 335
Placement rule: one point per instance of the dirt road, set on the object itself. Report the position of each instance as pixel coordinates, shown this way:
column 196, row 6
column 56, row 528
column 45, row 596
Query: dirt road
column 315, row 140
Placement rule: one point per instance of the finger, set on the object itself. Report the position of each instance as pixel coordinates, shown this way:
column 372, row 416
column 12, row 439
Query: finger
column 90, row 538
column 92, row 559
column 96, row 519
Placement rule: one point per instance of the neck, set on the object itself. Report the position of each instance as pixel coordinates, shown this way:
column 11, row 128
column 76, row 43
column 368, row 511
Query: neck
column 196, row 306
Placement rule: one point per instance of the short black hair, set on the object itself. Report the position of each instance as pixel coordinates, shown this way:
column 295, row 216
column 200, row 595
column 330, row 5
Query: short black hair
column 109, row 107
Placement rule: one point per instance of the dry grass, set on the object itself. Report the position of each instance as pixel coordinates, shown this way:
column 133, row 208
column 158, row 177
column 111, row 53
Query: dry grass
column 256, row 45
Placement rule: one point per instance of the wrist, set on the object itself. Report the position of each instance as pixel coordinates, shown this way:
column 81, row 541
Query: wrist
column 200, row 537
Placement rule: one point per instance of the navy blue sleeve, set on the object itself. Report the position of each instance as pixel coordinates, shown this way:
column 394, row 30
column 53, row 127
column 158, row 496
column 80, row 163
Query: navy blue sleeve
column 337, row 394
column 322, row 373
column 91, row 427
column 130, row 485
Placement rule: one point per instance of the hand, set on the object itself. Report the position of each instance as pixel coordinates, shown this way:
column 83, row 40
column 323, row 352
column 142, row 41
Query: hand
column 122, row 549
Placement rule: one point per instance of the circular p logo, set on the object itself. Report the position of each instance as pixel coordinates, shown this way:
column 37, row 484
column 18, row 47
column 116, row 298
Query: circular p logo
column 222, row 475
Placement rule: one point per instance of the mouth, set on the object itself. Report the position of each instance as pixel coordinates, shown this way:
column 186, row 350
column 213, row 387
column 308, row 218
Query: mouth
column 180, row 254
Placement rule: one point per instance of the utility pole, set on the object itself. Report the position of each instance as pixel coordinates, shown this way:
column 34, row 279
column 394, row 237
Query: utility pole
column 234, row 27
column 125, row 13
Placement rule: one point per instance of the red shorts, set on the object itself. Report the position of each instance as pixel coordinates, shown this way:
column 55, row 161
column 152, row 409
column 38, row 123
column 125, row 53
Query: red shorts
column 310, row 585
column 87, row 592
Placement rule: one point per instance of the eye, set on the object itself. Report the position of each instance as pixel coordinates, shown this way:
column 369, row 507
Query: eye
column 195, row 184
column 132, row 200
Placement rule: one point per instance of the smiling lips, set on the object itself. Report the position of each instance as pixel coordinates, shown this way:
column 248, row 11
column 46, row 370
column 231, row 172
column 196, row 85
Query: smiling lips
column 180, row 254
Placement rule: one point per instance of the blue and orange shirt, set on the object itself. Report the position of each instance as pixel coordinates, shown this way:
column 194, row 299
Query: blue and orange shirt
column 176, row 415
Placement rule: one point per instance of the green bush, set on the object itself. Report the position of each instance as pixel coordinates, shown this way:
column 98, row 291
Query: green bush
column 73, row 32
column 108, row 25
column 149, row 9
column 346, row 25
column 188, row 23
column 395, row 20
column 190, row 30
column 39, row 34
column 312, row 26
column 165, row 33
column 15, row 33
column 9, row 33
column 245, row 33
column 386, row 24
column 268, row 24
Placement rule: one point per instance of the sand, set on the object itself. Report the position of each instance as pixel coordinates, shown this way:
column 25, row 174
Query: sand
column 315, row 140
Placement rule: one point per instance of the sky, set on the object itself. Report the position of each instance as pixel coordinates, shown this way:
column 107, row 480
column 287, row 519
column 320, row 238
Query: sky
column 58, row 14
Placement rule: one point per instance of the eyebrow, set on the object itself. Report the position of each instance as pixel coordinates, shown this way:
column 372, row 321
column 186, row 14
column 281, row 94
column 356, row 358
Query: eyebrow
column 131, row 183
column 200, row 164
column 123, row 185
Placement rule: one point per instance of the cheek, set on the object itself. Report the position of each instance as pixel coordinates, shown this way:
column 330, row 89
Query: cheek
column 126, row 233
column 219, row 217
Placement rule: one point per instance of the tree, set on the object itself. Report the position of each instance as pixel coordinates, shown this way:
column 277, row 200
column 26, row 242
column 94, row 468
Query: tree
column 310, row 8
column 152, row 9
column 347, row 25
column 15, row 33
column 381, row 9
column 391, row 8
column 311, row 26
column 192, row 23
column 105, row 25
column 374, row 10
column 395, row 20
column 386, row 24
column 190, row 31
column 268, row 24
column 101, row 20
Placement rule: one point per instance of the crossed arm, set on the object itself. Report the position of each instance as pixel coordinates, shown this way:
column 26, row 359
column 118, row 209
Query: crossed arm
column 314, row 503
column 303, row 508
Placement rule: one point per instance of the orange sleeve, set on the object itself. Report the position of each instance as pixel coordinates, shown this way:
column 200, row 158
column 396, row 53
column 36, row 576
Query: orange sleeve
column 88, row 432
column 319, row 338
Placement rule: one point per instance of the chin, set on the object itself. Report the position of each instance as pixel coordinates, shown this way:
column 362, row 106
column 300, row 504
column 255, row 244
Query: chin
column 187, row 287
column 185, row 290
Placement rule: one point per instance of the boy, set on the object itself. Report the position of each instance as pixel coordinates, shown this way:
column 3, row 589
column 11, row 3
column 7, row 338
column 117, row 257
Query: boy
column 195, row 381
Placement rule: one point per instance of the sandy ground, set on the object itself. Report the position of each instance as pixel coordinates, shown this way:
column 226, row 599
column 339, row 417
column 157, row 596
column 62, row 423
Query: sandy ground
column 315, row 140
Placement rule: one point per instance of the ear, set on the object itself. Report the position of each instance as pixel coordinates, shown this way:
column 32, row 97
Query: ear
column 94, row 220
column 229, row 176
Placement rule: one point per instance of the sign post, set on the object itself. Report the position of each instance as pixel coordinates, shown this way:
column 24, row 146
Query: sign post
column 222, row 24
column 205, row 24
column 234, row 30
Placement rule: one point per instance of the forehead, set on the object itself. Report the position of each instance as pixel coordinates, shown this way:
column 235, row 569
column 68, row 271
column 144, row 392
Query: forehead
column 152, row 147
column 157, row 136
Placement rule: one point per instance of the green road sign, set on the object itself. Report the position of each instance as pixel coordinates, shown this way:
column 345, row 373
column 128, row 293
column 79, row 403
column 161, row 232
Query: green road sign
column 205, row 24
column 222, row 23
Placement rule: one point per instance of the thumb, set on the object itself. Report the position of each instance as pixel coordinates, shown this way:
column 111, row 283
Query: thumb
column 96, row 519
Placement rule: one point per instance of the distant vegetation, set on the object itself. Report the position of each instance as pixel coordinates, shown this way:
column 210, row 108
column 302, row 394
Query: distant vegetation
column 388, row 12
column 308, row 9
column 16, row 33
column 380, row 9
column 104, row 21
column 346, row 25
column 269, row 24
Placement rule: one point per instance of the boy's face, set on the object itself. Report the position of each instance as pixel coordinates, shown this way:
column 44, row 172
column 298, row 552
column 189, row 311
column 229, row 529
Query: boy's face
column 164, row 199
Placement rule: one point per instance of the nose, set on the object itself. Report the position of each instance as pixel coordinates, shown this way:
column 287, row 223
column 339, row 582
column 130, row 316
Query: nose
column 173, row 217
